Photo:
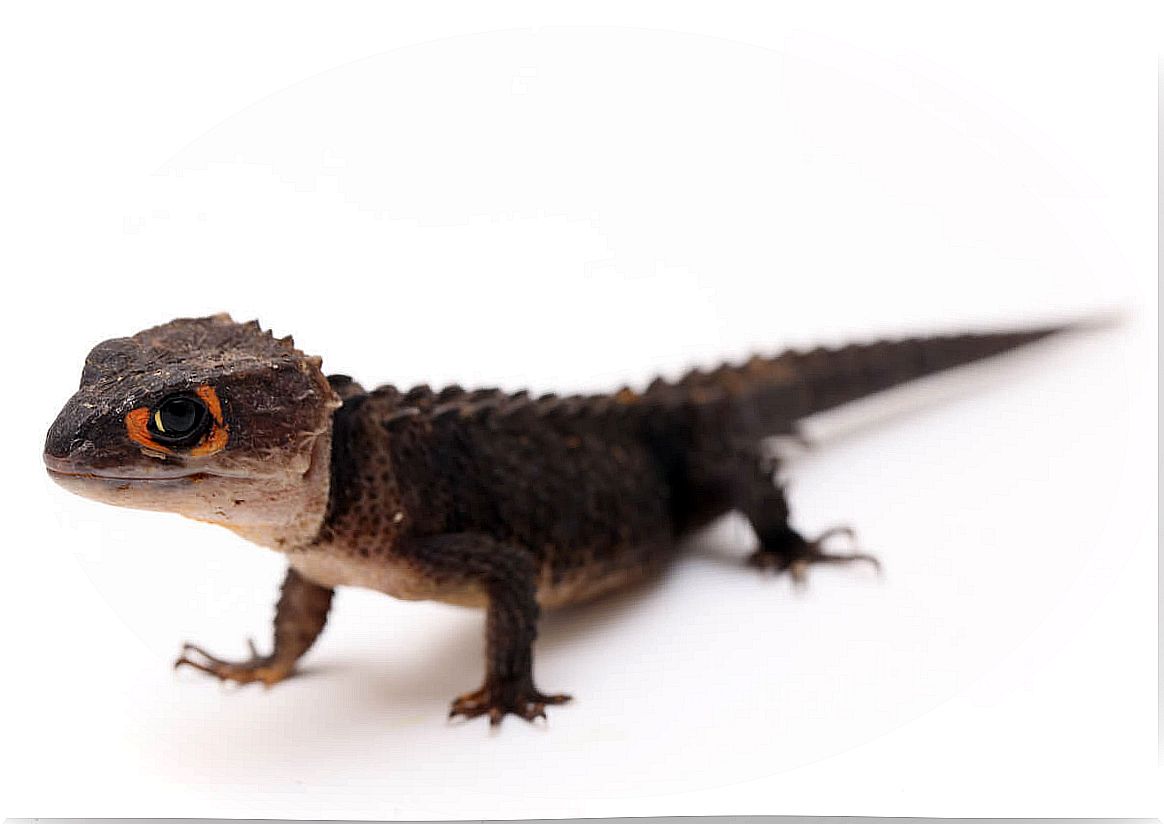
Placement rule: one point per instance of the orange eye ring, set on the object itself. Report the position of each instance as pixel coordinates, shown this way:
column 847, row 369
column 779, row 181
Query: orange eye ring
column 137, row 426
column 219, row 434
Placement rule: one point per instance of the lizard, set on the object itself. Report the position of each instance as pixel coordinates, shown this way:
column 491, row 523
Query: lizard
column 484, row 498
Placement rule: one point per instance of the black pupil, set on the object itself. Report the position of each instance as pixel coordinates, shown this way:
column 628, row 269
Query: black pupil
column 179, row 416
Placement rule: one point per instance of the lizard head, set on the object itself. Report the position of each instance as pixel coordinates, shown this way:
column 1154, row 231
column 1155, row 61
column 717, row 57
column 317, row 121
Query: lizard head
column 213, row 419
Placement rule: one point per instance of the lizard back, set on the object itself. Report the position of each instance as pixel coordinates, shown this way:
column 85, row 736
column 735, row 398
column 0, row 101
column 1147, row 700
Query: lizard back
column 597, row 488
column 571, row 480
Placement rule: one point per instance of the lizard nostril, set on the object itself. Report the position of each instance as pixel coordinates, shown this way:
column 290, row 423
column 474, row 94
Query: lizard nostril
column 64, row 438
column 58, row 445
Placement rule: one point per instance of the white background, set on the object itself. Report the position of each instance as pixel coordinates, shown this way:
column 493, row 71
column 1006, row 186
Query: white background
column 570, row 197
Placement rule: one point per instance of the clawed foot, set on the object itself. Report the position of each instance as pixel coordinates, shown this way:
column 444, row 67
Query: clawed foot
column 496, row 699
column 262, row 668
column 792, row 552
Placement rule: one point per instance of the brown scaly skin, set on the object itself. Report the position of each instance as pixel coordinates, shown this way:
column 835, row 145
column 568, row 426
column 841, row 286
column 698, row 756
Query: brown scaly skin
column 480, row 498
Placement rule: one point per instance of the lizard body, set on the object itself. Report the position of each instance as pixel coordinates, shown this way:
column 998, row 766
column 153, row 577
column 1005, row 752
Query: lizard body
column 481, row 498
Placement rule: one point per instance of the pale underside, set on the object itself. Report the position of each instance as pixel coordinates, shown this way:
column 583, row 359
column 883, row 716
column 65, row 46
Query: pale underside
column 397, row 577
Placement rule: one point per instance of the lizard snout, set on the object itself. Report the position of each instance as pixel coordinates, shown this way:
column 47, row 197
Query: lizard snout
column 65, row 443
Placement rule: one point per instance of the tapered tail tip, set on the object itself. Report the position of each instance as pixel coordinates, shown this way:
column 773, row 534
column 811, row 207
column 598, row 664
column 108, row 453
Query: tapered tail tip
column 1103, row 320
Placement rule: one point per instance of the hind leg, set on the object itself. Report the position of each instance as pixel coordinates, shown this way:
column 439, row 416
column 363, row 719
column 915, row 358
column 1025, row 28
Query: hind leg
column 782, row 548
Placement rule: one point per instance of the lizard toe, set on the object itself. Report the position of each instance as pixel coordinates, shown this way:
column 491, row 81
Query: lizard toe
column 791, row 552
column 510, row 698
column 264, row 669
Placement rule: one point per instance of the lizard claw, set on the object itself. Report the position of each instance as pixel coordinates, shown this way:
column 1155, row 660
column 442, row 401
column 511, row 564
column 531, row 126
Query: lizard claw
column 793, row 553
column 497, row 700
column 262, row 668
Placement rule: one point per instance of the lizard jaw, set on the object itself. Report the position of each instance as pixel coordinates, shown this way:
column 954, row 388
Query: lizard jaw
column 64, row 477
column 139, row 492
column 160, row 470
column 280, row 509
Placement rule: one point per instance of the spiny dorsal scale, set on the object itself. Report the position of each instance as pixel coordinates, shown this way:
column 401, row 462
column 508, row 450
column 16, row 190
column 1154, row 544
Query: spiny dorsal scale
column 400, row 415
column 421, row 396
column 386, row 392
column 515, row 404
column 694, row 376
column 481, row 409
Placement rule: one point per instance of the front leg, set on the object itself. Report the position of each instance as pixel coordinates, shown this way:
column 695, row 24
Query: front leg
column 299, row 618
column 506, row 576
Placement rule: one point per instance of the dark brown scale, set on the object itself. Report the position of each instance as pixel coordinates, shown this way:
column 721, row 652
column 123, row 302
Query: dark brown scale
column 398, row 416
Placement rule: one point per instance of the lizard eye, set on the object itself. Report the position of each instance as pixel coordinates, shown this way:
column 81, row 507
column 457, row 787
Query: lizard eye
column 179, row 420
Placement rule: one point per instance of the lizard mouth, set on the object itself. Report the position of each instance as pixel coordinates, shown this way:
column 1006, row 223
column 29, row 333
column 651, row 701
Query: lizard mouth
column 65, row 470
column 126, row 479
column 167, row 488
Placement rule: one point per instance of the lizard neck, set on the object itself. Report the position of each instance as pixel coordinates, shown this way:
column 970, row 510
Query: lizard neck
column 290, row 514
column 287, row 513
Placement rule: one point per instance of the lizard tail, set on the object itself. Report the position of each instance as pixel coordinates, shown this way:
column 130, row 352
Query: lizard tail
column 803, row 384
column 767, row 396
